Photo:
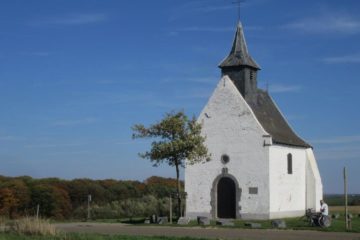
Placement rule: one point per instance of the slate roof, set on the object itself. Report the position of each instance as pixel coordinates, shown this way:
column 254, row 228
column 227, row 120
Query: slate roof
column 273, row 121
column 239, row 55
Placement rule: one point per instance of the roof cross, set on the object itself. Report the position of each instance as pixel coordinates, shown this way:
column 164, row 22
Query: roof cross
column 238, row 3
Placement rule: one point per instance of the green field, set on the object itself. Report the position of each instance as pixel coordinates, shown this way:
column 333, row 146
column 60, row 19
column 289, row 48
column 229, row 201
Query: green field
column 341, row 209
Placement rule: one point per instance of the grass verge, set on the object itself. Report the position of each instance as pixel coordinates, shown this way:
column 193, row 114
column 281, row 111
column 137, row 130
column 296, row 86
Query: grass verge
column 32, row 226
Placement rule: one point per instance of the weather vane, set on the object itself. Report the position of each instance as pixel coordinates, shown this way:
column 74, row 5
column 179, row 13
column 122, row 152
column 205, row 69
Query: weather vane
column 238, row 3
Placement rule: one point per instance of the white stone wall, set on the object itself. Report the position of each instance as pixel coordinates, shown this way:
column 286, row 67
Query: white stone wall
column 230, row 128
column 314, row 188
column 287, row 191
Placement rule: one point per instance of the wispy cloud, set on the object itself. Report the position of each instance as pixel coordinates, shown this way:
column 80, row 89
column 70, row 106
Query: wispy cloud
column 65, row 123
column 37, row 54
column 106, row 81
column 326, row 24
column 53, row 145
column 342, row 153
column 338, row 147
column 216, row 8
column 194, row 94
column 130, row 142
column 296, row 117
column 196, row 6
column 206, row 29
column 338, row 140
column 72, row 19
column 11, row 138
column 204, row 80
column 209, row 6
column 342, row 59
column 281, row 88
column 210, row 29
column 67, row 152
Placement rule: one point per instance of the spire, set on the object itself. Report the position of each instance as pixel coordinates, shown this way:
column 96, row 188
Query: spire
column 239, row 55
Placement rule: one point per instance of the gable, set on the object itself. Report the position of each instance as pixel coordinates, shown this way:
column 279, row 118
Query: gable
column 227, row 109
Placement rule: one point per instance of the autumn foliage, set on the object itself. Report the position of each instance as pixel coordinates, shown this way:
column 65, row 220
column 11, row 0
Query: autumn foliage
column 64, row 199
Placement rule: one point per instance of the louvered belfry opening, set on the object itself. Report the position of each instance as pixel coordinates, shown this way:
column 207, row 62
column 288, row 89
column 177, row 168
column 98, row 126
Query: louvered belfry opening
column 226, row 198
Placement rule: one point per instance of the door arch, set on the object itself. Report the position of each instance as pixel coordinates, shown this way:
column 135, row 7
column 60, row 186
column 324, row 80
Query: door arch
column 226, row 198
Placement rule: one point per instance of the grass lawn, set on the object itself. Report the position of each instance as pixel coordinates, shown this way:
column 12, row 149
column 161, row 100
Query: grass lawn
column 337, row 225
column 8, row 236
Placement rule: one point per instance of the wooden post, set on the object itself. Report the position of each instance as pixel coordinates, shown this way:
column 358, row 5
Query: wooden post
column 170, row 209
column 346, row 200
column 88, row 207
column 37, row 211
column 185, row 195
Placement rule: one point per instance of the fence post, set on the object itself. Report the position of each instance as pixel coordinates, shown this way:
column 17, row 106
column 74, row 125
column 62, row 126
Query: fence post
column 170, row 209
column 346, row 200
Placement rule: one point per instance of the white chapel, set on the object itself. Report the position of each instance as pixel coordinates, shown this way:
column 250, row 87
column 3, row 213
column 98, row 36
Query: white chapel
column 259, row 167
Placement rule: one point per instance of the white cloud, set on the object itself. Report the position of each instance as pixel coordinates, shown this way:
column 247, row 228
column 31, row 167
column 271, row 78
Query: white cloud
column 326, row 24
column 73, row 19
column 64, row 123
column 280, row 88
column 338, row 147
column 342, row 59
column 337, row 140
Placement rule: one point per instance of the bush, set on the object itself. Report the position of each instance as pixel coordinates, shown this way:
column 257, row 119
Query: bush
column 127, row 208
column 103, row 212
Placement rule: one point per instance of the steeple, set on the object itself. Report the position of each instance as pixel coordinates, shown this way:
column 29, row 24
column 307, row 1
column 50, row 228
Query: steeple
column 240, row 66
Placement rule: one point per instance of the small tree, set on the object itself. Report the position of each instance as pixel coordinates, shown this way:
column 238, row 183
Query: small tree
column 177, row 140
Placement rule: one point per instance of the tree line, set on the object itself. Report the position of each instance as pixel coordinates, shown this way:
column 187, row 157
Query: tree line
column 64, row 199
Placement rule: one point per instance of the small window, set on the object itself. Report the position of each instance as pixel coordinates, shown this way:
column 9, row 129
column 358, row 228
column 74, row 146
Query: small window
column 289, row 163
column 253, row 190
column 225, row 159
column 251, row 75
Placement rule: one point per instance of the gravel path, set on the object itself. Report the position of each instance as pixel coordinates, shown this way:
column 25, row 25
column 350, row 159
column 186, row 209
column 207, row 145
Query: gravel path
column 223, row 233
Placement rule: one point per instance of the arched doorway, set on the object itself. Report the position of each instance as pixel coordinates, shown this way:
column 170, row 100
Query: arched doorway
column 226, row 198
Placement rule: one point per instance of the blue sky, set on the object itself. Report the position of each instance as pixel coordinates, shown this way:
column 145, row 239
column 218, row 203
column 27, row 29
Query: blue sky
column 76, row 75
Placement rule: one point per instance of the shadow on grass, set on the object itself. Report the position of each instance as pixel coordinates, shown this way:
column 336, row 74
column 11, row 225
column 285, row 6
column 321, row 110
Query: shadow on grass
column 132, row 221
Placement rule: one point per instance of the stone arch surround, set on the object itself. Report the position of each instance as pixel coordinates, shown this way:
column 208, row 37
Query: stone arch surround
column 213, row 193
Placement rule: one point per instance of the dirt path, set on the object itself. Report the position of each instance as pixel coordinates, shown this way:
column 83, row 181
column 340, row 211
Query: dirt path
column 230, row 233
